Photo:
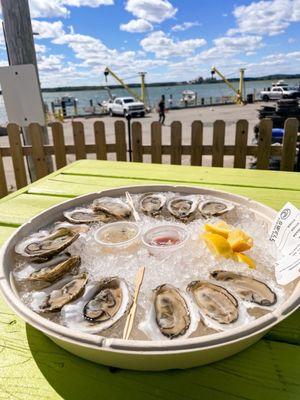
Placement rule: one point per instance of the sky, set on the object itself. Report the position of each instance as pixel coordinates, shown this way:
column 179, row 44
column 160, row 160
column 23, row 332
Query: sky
column 171, row 40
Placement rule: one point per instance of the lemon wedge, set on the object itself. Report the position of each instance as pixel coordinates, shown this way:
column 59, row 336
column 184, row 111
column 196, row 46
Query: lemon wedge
column 220, row 228
column 239, row 240
column 245, row 259
column 217, row 244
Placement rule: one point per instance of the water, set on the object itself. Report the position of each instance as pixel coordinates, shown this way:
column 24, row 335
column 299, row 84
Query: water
column 215, row 91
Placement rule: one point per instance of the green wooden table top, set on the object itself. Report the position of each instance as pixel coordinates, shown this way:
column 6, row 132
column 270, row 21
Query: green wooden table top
column 32, row 367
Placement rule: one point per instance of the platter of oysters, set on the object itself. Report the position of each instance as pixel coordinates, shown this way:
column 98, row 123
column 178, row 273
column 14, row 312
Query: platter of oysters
column 209, row 268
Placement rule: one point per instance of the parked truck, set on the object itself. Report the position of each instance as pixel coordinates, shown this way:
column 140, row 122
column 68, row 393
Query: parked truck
column 126, row 106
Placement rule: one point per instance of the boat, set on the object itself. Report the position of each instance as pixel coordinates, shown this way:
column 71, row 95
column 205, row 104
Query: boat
column 188, row 97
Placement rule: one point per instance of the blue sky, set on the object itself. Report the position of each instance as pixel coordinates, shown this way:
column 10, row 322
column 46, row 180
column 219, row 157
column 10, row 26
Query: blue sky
column 170, row 39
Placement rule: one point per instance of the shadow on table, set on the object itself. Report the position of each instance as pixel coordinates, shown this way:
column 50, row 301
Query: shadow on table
column 261, row 371
column 74, row 378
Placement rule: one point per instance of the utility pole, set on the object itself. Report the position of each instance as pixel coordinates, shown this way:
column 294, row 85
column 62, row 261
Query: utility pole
column 21, row 50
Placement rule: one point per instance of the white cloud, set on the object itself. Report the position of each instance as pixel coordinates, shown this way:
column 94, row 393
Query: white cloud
column 40, row 48
column 229, row 46
column 47, row 30
column 151, row 10
column 184, row 26
column 59, row 8
column 266, row 17
column 137, row 25
column 164, row 46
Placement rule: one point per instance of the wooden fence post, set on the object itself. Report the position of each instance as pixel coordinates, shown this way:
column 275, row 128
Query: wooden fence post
column 176, row 137
column 100, row 140
column 3, row 184
column 241, row 139
column 156, row 153
column 59, row 144
column 79, row 140
column 17, row 155
column 120, row 141
column 264, row 144
column 289, row 144
column 37, row 150
column 196, row 143
column 218, row 143
column 137, row 142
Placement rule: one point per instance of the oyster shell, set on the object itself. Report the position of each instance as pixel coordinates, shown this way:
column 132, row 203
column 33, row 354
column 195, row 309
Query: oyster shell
column 249, row 289
column 172, row 313
column 152, row 203
column 64, row 295
column 45, row 246
column 112, row 207
column 210, row 208
column 102, row 305
column 55, row 270
column 86, row 216
column 214, row 301
column 182, row 207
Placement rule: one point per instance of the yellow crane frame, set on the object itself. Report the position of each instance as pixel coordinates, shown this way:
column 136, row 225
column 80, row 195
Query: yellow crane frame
column 142, row 97
column 240, row 91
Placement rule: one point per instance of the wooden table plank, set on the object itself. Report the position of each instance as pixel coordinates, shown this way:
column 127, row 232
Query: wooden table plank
column 183, row 174
column 20, row 209
column 69, row 186
column 5, row 232
column 34, row 367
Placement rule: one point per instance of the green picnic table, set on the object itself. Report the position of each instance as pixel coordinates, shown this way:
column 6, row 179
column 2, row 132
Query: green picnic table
column 32, row 367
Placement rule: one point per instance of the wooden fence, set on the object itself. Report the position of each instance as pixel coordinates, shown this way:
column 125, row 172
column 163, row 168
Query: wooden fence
column 196, row 150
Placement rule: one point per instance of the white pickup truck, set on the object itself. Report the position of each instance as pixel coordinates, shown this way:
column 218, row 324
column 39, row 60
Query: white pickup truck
column 126, row 106
column 278, row 92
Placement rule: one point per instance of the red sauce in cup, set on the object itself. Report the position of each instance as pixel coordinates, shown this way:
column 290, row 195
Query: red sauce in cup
column 165, row 241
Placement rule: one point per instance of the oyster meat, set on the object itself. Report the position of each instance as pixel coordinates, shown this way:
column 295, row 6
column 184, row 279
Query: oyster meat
column 55, row 269
column 112, row 207
column 45, row 246
column 249, row 289
column 152, row 203
column 210, row 208
column 183, row 207
column 67, row 293
column 171, row 310
column 214, row 301
column 86, row 216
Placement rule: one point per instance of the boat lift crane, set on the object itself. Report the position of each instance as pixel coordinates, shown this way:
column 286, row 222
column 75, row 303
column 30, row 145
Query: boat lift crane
column 142, row 97
column 240, row 91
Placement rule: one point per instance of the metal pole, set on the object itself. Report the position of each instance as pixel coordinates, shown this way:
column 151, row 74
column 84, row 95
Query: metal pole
column 21, row 50
column 128, row 117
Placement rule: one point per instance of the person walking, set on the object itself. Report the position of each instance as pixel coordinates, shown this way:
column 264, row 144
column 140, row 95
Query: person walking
column 161, row 110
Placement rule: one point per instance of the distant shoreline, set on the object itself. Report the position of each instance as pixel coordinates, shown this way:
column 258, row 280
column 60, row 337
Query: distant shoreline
column 159, row 84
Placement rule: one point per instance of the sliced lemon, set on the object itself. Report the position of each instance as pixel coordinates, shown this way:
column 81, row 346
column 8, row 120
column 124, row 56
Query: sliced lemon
column 217, row 244
column 240, row 257
column 220, row 228
column 239, row 240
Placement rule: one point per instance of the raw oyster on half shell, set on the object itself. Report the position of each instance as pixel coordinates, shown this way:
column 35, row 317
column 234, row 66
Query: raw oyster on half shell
column 86, row 216
column 64, row 295
column 211, row 208
column 214, row 301
column 112, row 207
column 152, row 203
column 182, row 207
column 54, row 270
column 103, row 304
column 171, row 310
column 44, row 246
column 249, row 289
